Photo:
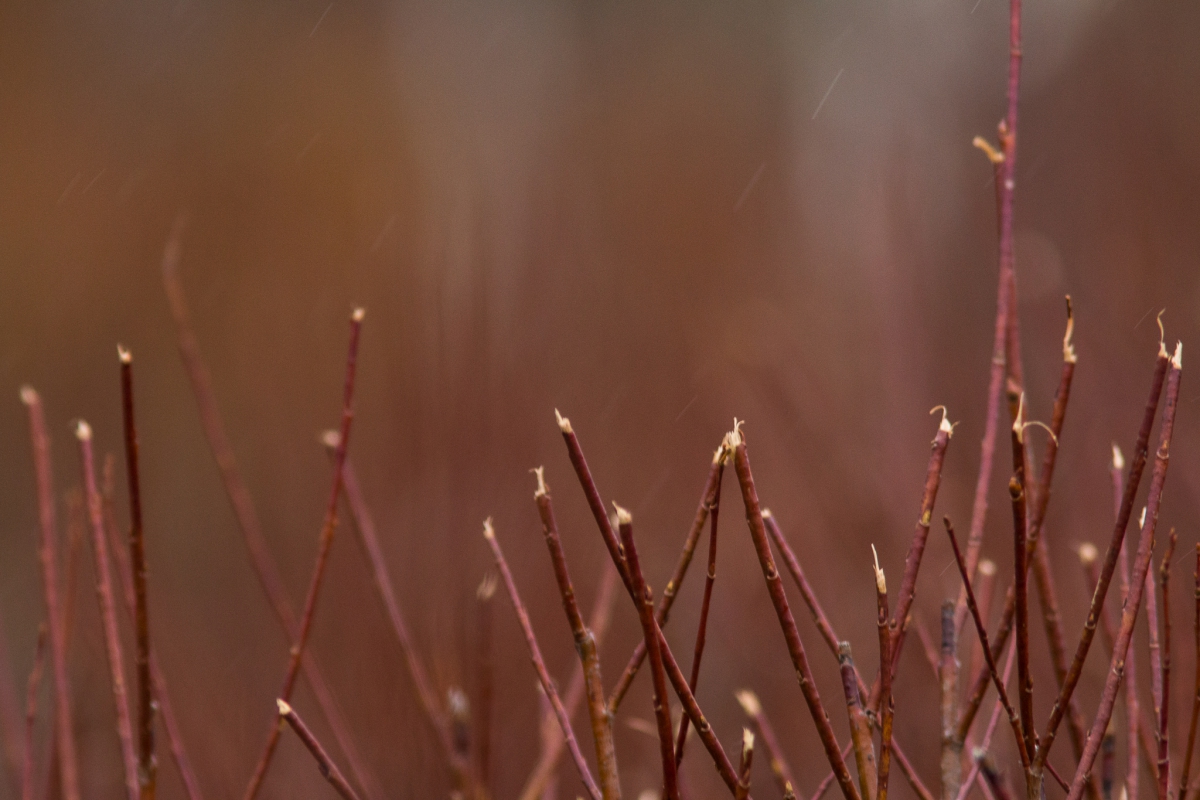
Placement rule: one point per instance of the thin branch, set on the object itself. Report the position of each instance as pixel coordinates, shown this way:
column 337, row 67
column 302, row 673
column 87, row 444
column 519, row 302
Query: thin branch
column 743, row 790
column 887, row 707
column 108, row 619
column 323, row 547
column 48, row 554
column 758, row 532
column 948, row 679
column 242, row 504
column 1164, row 750
column 1191, row 740
column 702, row 626
column 539, row 664
column 486, row 680
column 31, row 703
column 1016, row 492
column 329, row 770
column 860, row 727
column 1137, row 580
column 585, row 646
column 779, row 767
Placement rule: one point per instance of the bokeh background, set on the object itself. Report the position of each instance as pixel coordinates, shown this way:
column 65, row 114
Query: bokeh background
column 653, row 217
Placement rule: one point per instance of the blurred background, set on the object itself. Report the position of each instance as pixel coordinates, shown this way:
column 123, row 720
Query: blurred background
column 653, row 217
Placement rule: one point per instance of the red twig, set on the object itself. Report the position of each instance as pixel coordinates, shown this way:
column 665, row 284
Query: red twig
column 243, row 506
column 860, row 727
column 779, row 766
column 329, row 770
column 1137, row 580
column 48, row 553
column 743, row 790
column 1164, row 750
column 323, row 547
column 1191, row 740
column 791, row 635
column 539, row 664
column 31, row 703
column 887, row 707
column 702, row 626
column 951, row 765
column 108, row 618
column 1016, row 491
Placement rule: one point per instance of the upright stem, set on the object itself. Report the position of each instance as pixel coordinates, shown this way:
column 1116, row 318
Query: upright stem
column 860, row 727
column 1164, row 749
column 948, row 675
column 743, row 790
column 323, row 547
column 108, row 618
column 1016, row 491
column 883, row 627
column 329, row 770
column 48, row 554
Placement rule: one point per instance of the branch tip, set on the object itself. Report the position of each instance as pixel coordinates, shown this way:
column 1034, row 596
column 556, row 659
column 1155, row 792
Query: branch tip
column 1088, row 554
column 749, row 702
column 734, row 437
column 487, row 587
column 564, row 424
column 1177, row 359
column 29, row 395
column 945, row 424
column 83, row 431
column 542, row 489
column 1068, row 346
column 987, row 567
column 358, row 314
column 747, row 741
column 1118, row 459
column 1162, row 335
column 284, row 708
column 488, row 532
column 880, row 578
column 993, row 155
column 124, row 355
column 331, row 439
column 623, row 516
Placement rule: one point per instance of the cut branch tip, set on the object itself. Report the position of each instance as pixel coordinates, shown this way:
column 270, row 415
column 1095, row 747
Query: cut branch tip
column 1088, row 554
column 945, row 424
column 747, row 741
column 488, row 532
column 29, row 395
column 124, row 355
column 987, row 567
column 564, row 424
column 880, row 578
column 1068, row 346
column 623, row 516
column 734, row 437
column 358, row 314
column 83, row 431
column 749, row 702
column 331, row 439
column 1118, row 458
column 284, row 708
column 542, row 490
column 1177, row 359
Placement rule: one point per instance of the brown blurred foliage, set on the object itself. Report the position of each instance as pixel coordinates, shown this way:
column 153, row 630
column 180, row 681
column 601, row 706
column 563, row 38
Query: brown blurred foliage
column 652, row 217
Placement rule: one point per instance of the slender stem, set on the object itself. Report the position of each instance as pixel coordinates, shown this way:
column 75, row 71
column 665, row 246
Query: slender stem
column 1016, row 492
column 1156, row 687
column 711, row 487
column 547, row 764
column 981, row 630
column 486, row 680
column 1164, row 750
column 585, row 646
column 887, row 707
column 108, row 618
column 791, row 635
column 48, row 553
column 702, row 626
column 1191, row 740
column 31, row 702
column 1110, row 561
column 539, row 664
column 779, row 767
column 860, row 727
column 1137, row 581
column 948, row 678
column 323, row 548
column 743, row 790
column 985, row 591
column 329, row 770
column 242, row 504
column 662, row 710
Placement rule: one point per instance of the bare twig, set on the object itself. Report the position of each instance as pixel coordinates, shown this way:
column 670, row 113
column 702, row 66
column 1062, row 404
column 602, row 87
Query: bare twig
column 248, row 522
column 1137, row 580
column 104, row 597
column 329, row 770
column 48, row 554
column 539, row 664
column 860, row 727
column 702, row 626
column 585, row 646
column 323, row 547
column 31, row 702
column 743, row 790
column 1016, row 491
column 779, row 767
column 948, row 679
column 1164, row 750
column 887, row 707
column 758, row 532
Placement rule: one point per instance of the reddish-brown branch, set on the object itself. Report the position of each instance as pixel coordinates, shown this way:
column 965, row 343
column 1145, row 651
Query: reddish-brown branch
column 147, row 765
column 48, row 554
column 323, row 548
column 1016, row 492
column 1164, row 708
column 791, row 635
column 743, row 790
column 702, row 626
column 887, row 707
column 645, row 602
column 779, row 766
column 539, row 664
column 1110, row 561
column 951, row 764
column 681, row 567
column 1137, row 580
column 486, row 678
column 108, row 618
column 860, row 727
column 585, row 646
column 1191, row 740
column 329, row 770
column 248, row 522
column 28, row 791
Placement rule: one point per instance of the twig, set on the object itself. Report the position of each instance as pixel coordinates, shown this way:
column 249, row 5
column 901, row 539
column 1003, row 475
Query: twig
column 48, row 553
column 1164, row 760
column 1191, row 740
column 547, row 764
column 985, row 590
column 743, row 790
column 243, row 507
column 702, row 626
column 161, row 694
column 948, row 679
column 779, row 766
column 1137, row 580
column 665, row 602
column 323, row 547
column 147, row 775
column 662, row 710
column 485, row 692
column 812, row 697
column 860, row 727
column 539, row 664
column 887, row 707
column 31, row 703
column 1110, row 560
column 585, row 646
column 329, row 770
column 1016, row 492
column 104, row 597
